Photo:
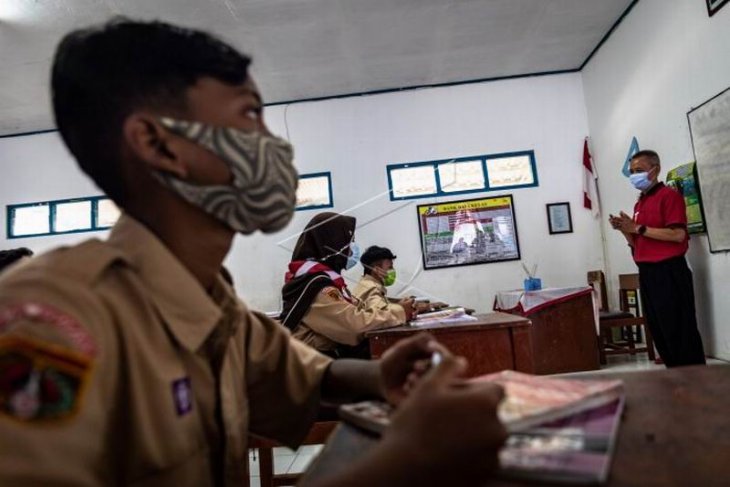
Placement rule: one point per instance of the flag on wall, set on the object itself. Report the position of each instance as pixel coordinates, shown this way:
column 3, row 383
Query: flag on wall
column 590, row 188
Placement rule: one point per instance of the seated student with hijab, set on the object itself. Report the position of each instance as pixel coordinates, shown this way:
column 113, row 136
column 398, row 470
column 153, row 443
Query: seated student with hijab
column 379, row 273
column 318, row 307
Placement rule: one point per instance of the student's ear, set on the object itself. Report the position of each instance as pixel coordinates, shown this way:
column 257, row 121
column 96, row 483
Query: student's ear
column 154, row 145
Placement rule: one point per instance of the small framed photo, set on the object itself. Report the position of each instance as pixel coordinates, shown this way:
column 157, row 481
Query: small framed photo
column 559, row 219
column 714, row 5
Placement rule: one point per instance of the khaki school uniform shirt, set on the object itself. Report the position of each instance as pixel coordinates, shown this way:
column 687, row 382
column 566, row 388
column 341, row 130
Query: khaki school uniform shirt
column 373, row 293
column 333, row 320
column 117, row 368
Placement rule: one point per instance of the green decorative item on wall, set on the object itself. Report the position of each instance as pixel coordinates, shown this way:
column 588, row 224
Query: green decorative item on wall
column 684, row 179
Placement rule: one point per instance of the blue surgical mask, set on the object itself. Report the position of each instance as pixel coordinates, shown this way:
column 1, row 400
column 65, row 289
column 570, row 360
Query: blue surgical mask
column 354, row 257
column 640, row 180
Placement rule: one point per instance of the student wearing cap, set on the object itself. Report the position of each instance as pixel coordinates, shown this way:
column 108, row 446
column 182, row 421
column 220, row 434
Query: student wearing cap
column 318, row 307
column 378, row 274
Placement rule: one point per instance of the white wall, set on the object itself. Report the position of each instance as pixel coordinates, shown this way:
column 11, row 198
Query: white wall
column 355, row 138
column 39, row 168
column 665, row 58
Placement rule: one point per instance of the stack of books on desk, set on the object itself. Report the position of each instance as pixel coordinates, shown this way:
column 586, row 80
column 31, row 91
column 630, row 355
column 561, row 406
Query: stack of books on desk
column 575, row 449
column 445, row 315
column 561, row 430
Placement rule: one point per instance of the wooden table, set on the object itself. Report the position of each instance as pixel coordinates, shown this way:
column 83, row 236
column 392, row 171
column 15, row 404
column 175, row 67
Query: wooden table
column 496, row 341
column 675, row 432
column 564, row 337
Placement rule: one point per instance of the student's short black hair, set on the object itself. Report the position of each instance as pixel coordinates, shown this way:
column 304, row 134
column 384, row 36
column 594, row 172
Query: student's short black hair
column 11, row 256
column 649, row 154
column 102, row 74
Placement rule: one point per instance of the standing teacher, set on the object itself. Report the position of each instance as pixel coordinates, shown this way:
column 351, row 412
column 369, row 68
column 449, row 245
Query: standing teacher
column 657, row 235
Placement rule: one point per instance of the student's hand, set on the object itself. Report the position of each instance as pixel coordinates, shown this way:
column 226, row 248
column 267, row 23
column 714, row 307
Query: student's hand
column 423, row 307
column 449, row 427
column 403, row 364
column 409, row 306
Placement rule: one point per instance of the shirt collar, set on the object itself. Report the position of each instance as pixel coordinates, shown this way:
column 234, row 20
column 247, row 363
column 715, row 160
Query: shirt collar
column 368, row 277
column 652, row 190
column 189, row 311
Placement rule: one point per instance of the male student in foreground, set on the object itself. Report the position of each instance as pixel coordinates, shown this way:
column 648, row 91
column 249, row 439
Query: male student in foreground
column 131, row 361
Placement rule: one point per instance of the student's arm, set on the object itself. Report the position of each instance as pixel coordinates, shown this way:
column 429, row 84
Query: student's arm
column 445, row 433
column 389, row 378
column 372, row 298
column 47, row 440
column 339, row 320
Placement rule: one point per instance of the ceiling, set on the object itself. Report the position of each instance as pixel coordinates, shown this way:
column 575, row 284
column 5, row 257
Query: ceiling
column 306, row 49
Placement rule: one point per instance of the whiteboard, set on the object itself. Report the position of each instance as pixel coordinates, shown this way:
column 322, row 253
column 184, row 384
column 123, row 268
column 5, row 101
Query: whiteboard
column 709, row 126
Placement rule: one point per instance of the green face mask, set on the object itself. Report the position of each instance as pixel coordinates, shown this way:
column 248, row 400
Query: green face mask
column 389, row 278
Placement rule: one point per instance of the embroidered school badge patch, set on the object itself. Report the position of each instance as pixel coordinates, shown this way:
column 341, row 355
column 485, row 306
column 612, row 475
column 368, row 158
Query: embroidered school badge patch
column 39, row 381
column 332, row 293
column 65, row 324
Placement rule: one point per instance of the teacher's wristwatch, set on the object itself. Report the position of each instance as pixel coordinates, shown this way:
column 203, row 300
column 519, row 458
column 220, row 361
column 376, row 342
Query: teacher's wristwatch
column 641, row 230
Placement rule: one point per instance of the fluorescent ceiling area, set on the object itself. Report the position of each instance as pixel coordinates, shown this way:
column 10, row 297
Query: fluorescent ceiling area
column 305, row 49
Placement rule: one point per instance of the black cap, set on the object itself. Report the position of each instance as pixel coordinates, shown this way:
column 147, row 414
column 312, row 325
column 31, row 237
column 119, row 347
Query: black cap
column 374, row 254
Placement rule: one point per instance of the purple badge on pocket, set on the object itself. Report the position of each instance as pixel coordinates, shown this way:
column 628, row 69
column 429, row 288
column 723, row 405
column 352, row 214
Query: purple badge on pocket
column 182, row 394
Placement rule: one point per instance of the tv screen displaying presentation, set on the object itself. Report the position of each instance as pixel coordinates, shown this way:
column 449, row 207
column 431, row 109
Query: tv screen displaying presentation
column 467, row 232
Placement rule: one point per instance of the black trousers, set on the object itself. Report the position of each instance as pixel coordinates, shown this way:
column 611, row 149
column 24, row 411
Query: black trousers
column 669, row 307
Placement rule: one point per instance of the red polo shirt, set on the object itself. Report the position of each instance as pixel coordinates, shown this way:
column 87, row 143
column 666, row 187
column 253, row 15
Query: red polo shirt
column 660, row 207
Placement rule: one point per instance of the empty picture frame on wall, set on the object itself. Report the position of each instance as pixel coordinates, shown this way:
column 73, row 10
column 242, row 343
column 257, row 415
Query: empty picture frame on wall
column 559, row 219
column 714, row 5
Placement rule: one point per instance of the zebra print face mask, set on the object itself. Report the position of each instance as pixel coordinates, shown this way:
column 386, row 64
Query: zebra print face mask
column 262, row 195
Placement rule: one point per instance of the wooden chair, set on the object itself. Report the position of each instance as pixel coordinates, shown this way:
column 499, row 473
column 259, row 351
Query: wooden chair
column 631, row 324
column 317, row 435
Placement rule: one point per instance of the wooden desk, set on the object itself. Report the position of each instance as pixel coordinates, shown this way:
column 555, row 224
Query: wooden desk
column 496, row 341
column 675, row 432
column 564, row 336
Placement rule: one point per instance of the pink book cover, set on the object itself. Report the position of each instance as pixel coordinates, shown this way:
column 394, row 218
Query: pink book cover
column 531, row 400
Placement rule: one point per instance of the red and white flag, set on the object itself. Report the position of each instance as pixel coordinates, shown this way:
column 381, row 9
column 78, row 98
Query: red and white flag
column 590, row 188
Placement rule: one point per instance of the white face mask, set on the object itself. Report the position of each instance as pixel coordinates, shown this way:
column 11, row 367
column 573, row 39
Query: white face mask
column 262, row 195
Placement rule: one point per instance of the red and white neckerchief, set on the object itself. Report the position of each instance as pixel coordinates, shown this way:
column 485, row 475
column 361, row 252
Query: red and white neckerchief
column 299, row 268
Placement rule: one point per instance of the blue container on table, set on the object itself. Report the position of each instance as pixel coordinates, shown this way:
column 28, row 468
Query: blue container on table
column 533, row 284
